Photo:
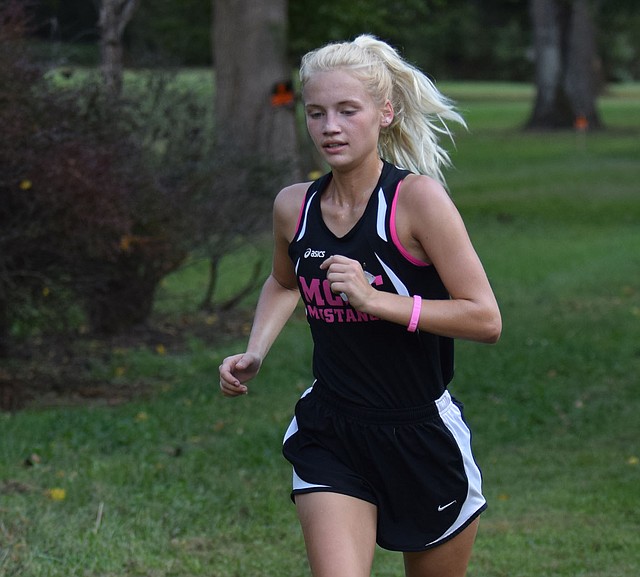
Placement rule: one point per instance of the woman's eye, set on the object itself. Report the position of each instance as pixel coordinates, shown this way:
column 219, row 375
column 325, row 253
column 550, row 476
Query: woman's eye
column 314, row 115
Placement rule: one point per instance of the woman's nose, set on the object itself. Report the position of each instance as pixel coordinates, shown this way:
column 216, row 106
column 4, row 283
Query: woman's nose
column 330, row 125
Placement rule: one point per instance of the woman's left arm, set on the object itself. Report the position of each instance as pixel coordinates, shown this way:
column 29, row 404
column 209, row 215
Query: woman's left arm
column 431, row 229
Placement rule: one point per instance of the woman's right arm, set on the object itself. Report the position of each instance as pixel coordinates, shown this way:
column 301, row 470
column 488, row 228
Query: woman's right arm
column 278, row 299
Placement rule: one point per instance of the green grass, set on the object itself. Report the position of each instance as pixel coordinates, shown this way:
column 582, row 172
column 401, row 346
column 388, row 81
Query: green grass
column 191, row 484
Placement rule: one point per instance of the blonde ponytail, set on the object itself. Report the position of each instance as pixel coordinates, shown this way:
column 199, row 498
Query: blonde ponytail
column 420, row 110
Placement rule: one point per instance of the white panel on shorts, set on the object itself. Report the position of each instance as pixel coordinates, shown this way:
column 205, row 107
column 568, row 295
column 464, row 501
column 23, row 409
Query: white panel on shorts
column 301, row 485
column 298, row 483
column 452, row 418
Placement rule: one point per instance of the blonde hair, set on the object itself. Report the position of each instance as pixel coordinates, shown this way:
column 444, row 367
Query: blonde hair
column 420, row 110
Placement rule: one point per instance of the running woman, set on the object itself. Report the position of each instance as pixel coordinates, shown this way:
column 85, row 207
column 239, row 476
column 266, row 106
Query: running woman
column 389, row 278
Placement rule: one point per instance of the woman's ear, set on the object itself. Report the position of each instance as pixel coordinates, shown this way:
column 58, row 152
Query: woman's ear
column 387, row 114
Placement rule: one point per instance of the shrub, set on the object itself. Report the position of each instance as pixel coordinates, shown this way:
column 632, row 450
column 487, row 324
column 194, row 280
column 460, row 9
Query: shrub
column 79, row 211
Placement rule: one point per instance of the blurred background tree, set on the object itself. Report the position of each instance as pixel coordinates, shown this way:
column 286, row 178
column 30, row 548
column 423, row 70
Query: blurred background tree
column 567, row 65
column 114, row 17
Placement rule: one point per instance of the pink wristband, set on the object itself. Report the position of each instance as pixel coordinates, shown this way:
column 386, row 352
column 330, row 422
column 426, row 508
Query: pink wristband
column 415, row 314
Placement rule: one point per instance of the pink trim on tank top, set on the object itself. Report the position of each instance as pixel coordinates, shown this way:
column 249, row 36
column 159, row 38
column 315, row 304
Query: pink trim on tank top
column 394, row 233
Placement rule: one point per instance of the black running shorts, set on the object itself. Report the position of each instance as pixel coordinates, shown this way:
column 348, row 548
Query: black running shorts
column 414, row 464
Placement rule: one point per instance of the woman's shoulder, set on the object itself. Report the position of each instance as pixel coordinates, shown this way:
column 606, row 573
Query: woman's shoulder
column 423, row 205
column 426, row 220
column 287, row 207
column 291, row 197
column 423, row 191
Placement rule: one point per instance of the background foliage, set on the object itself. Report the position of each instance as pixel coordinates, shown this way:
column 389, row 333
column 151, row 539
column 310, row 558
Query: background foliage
column 452, row 39
column 82, row 218
column 102, row 197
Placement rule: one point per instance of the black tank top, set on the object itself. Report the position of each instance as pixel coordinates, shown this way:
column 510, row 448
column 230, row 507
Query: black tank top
column 358, row 358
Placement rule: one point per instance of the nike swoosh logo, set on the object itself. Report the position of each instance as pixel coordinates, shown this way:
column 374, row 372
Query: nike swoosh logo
column 443, row 507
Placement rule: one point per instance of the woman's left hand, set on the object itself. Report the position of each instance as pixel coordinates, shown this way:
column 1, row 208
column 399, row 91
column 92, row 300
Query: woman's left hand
column 346, row 276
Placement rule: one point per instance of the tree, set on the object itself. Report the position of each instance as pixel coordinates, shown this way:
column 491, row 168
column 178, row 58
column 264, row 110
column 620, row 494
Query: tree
column 566, row 65
column 169, row 32
column 250, row 47
column 255, row 125
column 114, row 17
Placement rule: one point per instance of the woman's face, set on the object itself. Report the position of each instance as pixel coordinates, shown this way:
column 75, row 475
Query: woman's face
column 343, row 120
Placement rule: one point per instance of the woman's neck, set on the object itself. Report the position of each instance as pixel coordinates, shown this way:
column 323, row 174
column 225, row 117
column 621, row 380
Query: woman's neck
column 350, row 189
column 344, row 201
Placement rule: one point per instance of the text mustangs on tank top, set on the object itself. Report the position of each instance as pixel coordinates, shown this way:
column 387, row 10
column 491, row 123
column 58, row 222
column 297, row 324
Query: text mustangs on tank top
column 322, row 304
column 358, row 357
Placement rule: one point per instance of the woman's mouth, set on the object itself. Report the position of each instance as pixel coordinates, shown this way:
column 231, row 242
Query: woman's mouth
column 333, row 146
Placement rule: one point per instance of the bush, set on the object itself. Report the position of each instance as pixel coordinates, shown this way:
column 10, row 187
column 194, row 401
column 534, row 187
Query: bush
column 101, row 198
column 79, row 211
column 225, row 198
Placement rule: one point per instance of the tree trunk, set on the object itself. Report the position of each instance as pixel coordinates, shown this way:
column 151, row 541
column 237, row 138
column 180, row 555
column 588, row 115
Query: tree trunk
column 207, row 301
column 114, row 17
column 566, row 68
column 550, row 107
column 250, row 38
column 4, row 328
column 580, row 81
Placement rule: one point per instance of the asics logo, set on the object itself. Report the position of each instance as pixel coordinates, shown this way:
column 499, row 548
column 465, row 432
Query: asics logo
column 309, row 253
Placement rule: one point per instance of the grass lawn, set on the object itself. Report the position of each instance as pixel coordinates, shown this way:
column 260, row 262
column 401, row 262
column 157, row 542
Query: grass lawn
column 184, row 483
